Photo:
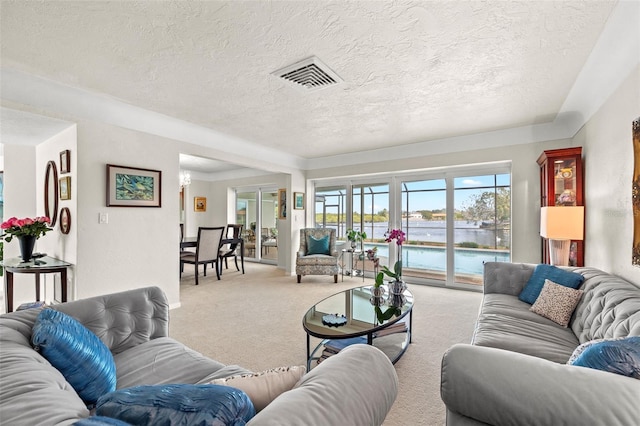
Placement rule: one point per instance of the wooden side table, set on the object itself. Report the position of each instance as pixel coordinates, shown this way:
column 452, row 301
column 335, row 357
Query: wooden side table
column 43, row 265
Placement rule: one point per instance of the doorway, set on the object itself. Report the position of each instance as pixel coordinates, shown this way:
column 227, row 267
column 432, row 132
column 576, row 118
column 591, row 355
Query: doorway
column 257, row 210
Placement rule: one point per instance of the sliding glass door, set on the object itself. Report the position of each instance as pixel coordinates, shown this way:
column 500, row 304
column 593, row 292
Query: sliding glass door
column 257, row 211
column 482, row 229
column 454, row 225
column 424, row 222
column 269, row 226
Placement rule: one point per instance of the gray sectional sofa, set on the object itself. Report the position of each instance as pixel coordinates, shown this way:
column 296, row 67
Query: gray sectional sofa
column 134, row 325
column 514, row 372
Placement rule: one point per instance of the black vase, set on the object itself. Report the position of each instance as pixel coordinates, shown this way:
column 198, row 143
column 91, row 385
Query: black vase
column 27, row 243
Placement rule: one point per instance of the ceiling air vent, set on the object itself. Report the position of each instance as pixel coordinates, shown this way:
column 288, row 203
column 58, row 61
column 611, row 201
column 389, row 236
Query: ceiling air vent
column 308, row 75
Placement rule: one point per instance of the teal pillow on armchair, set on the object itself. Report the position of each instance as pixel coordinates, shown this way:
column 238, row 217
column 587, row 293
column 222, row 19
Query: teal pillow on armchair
column 318, row 245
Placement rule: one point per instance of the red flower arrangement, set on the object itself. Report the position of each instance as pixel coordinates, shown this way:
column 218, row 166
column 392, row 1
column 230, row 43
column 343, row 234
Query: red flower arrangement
column 26, row 227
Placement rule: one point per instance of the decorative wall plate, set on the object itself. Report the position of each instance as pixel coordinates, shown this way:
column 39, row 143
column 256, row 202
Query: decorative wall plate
column 567, row 173
column 65, row 220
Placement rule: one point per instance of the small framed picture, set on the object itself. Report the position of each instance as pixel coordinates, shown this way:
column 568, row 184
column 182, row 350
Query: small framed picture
column 65, row 187
column 298, row 200
column 133, row 187
column 200, row 204
column 65, row 161
column 65, row 220
column 282, row 203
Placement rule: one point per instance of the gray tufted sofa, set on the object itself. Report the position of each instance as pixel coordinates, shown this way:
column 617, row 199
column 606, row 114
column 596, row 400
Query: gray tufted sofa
column 515, row 372
column 134, row 325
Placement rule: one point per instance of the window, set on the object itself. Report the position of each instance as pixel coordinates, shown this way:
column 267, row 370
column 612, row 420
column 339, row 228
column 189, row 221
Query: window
column 330, row 209
column 454, row 220
column 424, row 222
column 482, row 226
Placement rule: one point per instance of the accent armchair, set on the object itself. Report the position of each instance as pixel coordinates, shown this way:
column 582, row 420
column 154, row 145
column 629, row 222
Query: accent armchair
column 317, row 254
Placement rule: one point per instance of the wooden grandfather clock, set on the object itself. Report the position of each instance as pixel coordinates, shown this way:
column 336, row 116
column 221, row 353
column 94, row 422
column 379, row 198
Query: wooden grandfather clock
column 562, row 184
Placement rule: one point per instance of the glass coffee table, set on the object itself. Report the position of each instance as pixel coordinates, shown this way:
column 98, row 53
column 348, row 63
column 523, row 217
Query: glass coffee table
column 356, row 316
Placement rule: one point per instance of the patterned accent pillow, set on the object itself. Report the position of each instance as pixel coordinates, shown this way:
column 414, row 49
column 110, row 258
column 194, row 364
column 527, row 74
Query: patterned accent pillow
column 556, row 302
column 265, row 386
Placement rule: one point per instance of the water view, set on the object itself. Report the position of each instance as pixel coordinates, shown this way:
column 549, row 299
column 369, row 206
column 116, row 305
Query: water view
column 467, row 261
column 434, row 231
column 493, row 245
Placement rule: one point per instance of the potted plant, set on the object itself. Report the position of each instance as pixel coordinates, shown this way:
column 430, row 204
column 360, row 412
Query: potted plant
column 27, row 231
column 378, row 290
column 397, row 286
column 355, row 237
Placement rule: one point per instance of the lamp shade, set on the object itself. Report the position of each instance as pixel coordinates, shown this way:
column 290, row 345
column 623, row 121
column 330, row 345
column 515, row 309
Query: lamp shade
column 562, row 222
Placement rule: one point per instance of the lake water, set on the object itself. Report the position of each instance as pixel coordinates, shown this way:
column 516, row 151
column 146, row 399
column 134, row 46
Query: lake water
column 466, row 261
column 435, row 231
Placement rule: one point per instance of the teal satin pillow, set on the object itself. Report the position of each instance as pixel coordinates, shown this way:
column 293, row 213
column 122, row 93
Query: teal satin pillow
column 74, row 350
column 318, row 245
column 178, row 404
column 619, row 356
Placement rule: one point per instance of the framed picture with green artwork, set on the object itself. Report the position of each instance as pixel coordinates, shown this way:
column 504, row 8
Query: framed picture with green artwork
column 133, row 187
column 298, row 200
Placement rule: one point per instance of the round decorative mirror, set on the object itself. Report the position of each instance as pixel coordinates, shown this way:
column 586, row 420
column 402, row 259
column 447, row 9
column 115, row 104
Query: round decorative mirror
column 51, row 192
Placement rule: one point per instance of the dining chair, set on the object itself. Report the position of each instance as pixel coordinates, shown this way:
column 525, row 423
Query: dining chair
column 231, row 250
column 207, row 250
column 183, row 249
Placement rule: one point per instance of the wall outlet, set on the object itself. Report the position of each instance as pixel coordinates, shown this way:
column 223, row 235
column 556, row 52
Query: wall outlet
column 103, row 218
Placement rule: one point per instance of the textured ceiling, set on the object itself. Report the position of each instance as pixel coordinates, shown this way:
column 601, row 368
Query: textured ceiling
column 413, row 71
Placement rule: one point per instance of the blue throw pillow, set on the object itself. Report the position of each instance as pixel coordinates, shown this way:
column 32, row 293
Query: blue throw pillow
column 178, row 404
column 532, row 289
column 620, row 356
column 84, row 361
column 100, row 421
column 318, row 245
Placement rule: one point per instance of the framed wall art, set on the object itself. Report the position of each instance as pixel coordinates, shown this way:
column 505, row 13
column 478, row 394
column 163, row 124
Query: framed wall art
column 298, row 200
column 200, row 204
column 51, row 192
column 282, row 203
column 65, row 187
column 133, row 187
column 65, row 161
column 65, row 220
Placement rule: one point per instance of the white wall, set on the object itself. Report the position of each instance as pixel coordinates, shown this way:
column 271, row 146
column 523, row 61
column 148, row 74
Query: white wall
column 608, row 152
column 139, row 246
column 20, row 197
column 215, row 215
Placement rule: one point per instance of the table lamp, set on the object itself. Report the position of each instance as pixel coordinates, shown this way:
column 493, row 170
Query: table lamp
column 560, row 225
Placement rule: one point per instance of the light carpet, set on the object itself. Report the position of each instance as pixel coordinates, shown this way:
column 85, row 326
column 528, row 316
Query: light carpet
column 255, row 321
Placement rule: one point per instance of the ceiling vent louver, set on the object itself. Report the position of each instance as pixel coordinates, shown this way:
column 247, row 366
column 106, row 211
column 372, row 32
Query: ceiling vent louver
column 309, row 75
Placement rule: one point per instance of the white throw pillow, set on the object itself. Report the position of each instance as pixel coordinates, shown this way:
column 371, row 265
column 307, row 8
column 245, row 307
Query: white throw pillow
column 265, row 386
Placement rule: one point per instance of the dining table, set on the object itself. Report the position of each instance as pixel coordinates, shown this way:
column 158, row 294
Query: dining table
column 188, row 242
